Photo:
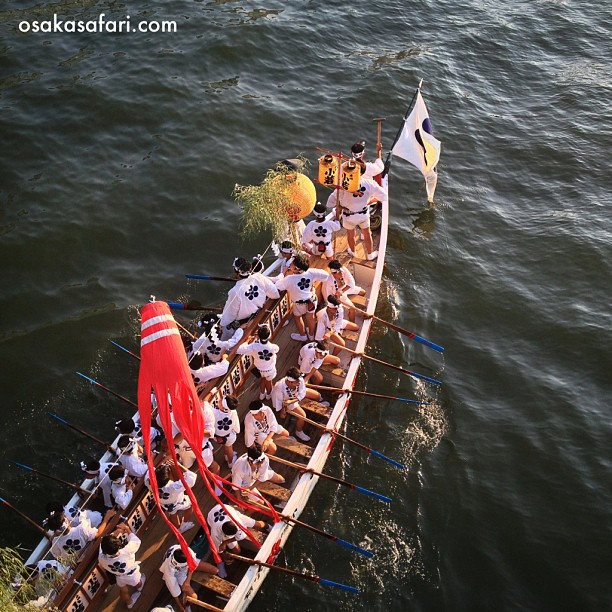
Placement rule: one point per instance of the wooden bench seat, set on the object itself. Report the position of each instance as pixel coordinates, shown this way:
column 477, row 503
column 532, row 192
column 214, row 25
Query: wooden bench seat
column 221, row 587
column 294, row 446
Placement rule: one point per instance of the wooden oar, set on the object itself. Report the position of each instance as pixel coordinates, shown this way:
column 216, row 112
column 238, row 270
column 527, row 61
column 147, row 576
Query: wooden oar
column 293, row 572
column 95, row 382
column 433, row 381
column 81, row 431
column 25, row 517
column 325, row 534
column 366, row 393
column 208, row 277
column 202, row 604
column 405, row 332
column 72, row 485
column 125, row 350
column 350, row 485
column 193, row 305
column 333, row 432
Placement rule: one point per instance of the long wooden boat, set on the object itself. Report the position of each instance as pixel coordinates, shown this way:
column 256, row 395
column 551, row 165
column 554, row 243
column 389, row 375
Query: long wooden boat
column 87, row 586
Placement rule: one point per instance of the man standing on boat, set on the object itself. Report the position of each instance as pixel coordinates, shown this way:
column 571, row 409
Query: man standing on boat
column 300, row 285
column 317, row 238
column 263, row 355
column 246, row 297
column 353, row 209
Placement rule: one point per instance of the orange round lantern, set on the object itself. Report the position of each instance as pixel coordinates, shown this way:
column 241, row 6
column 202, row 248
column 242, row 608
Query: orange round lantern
column 300, row 192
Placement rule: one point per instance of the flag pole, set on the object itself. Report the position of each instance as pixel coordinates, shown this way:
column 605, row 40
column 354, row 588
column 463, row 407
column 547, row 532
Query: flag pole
column 399, row 131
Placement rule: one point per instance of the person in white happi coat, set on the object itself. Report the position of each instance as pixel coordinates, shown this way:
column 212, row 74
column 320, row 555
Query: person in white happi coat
column 312, row 356
column 177, row 575
column 70, row 537
column 317, row 238
column 227, row 426
column 226, row 530
column 331, row 323
column 209, row 343
column 98, row 472
column 117, row 556
column 285, row 253
column 72, row 514
column 173, row 497
column 203, row 373
column 246, row 297
column 371, row 168
column 250, row 468
column 129, row 456
column 300, row 285
column 50, row 578
column 287, row 394
column 341, row 283
column 263, row 355
column 132, row 428
column 122, row 486
column 353, row 209
column 260, row 427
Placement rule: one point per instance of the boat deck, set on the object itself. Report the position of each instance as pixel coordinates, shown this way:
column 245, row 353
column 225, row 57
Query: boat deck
column 150, row 526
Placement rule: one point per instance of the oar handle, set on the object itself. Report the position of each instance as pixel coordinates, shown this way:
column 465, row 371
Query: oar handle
column 338, row 585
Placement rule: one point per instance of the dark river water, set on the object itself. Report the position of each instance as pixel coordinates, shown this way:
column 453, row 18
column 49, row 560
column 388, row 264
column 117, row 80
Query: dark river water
column 119, row 154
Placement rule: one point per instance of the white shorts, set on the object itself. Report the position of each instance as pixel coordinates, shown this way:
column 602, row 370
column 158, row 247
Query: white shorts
column 183, row 504
column 353, row 221
column 207, row 454
column 129, row 579
column 227, row 440
column 268, row 374
column 302, row 309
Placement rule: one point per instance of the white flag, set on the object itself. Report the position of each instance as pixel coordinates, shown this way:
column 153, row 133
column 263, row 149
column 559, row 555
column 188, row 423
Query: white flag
column 417, row 145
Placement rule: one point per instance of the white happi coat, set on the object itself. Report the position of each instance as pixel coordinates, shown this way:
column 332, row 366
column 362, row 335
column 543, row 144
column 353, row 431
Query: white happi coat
column 247, row 297
column 263, row 354
column 123, row 565
column 217, row 517
column 326, row 324
column 256, row 431
column 245, row 477
column 175, row 573
column 282, row 393
column 300, row 287
column 308, row 359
